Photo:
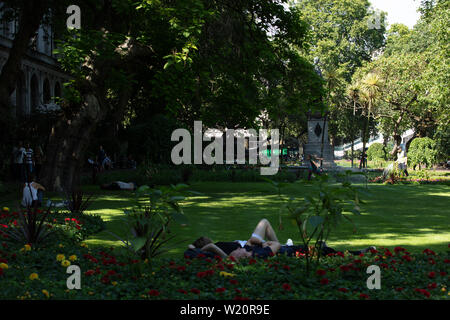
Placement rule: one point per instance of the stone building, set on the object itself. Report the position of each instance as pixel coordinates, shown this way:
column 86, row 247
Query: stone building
column 40, row 79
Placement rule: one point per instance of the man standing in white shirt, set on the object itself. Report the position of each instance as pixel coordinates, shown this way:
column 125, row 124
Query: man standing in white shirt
column 19, row 157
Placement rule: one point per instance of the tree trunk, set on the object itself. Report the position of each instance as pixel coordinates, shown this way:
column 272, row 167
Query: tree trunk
column 29, row 20
column 353, row 143
column 363, row 153
column 68, row 142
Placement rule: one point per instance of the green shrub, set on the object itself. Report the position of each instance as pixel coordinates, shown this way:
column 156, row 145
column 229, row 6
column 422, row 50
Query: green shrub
column 422, row 151
column 356, row 154
column 376, row 152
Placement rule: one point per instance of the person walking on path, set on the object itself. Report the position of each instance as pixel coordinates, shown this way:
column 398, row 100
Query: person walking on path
column 29, row 161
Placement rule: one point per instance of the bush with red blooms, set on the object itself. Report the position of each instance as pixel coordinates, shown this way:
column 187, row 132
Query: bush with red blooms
column 29, row 271
column 109, row 274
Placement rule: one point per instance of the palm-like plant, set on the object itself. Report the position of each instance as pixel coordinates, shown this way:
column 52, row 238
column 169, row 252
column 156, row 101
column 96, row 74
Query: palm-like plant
column 32, row 226
column 370, row 88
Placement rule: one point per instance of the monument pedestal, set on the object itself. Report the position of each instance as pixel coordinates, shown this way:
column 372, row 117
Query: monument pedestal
column 318, row 133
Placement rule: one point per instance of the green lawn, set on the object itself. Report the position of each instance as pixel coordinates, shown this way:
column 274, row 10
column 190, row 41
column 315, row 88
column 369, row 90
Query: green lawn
column 412, row 216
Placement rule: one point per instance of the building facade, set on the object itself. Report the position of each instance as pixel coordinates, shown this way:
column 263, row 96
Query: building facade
column 41, row 79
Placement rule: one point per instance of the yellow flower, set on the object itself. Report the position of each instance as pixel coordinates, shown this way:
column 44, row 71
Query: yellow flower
column 443, row 289
column 84, row 245
column 3, row 266
column 6, row 209
column 226, row 274
column 90, row 293
column 61, row 245
column 114, row 283
column 65, row 263
column 45, row 292
column 146, row 261
column 60, row 257
column 34, row 276
column 27, row 247
column 73, row 257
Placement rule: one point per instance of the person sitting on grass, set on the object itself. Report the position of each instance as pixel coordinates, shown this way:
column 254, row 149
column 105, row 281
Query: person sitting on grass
column 255, row 246
column 33, row 193
column 312, row 167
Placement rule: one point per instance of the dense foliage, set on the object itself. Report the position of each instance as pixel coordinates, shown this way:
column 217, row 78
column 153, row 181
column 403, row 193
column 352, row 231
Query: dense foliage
column 422, row 151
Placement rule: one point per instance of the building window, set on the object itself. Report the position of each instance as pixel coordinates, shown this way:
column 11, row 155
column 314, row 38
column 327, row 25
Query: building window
column 34, row 88
column 57, row 90
column 20, row 95
column 46, row 91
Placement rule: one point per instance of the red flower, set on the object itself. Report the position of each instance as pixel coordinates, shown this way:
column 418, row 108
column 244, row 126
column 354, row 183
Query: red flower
column 232, row 258
column 153, row 293
column 321, row 272
column 240, row 298
column 432, row 274
column 407, row 258
column 443, row 273
column 220, row 290
column 343, row 289
column 398, row 249
column 286, row 268
column 340, row 254
column 429, row 252
column 252, row 261
column 201, row 255
column 182, row 291
column 345, row 268
column 105, row 280
column 431, row 261
column 423, row 291
column 195, row 290
column 237, row 290
column 201, row 274
column 399, row 289
column 233, row 281
column 286, row 286
column 364, row 296
column 111, row 273
column 181, row 268
column 357, row 261
column 324, row 281
column 89, row 272
column 447, row 261
column 432, row 285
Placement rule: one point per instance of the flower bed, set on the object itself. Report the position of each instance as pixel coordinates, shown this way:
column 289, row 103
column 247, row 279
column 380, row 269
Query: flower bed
column 40, row 272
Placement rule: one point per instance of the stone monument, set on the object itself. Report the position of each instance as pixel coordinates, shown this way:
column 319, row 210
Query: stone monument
column 318, row 142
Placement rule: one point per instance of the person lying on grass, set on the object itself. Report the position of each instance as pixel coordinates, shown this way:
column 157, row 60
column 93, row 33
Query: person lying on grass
column 255, row 246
